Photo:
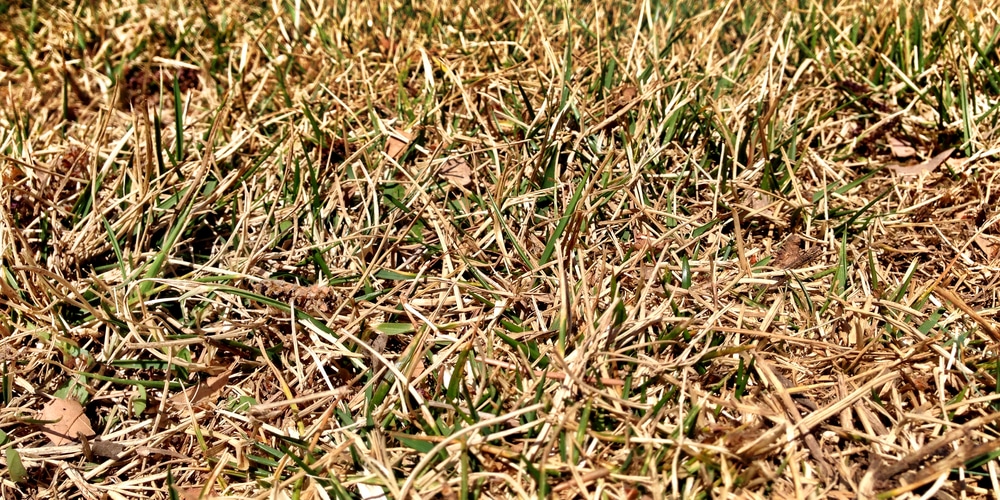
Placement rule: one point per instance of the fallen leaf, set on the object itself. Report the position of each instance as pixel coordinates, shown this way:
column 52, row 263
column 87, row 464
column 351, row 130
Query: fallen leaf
column 622, row 96
column 791, row 256
column 643, row 242
column 188, row 493
column 65, row 420
column 194, row 492
column 627, row 93
column 384, row 43
column 789, row 253
column 396, row 145
column 988, row 245
column 204, row 390
column 107, row 449
column 457, row 172
column 841, row 495
column 447, row 493
column 417, row 369
column 11, row 175
column 922, row 167
column 901, row 149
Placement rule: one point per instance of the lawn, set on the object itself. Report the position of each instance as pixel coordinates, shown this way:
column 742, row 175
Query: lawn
column 313, row 249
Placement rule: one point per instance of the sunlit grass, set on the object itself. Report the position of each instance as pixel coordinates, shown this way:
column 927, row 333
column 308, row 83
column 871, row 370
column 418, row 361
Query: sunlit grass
column 347, row 250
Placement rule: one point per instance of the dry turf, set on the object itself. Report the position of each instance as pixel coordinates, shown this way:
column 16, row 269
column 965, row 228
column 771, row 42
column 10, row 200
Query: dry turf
column 338, row 249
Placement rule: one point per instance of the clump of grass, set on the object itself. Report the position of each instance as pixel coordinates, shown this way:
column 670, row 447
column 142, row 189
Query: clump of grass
column 368, row 249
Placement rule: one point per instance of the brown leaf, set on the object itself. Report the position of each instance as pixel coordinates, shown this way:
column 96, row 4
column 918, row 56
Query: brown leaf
column 107, row 449
column 789, row 254
column 384, row 43
column 11, row 174
column 188, row 493
column 396, row 145
column 457, row 171
column 447, row 493
column 194, row 492
column 988, row 245
column 646, row 243
column 627, row 93
column 922, row 167
column 204, row 390
column 901, row 149
column 65, row 420
column 622, row 96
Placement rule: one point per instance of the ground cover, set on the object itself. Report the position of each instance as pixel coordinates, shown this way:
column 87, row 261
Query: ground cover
column 463, row 249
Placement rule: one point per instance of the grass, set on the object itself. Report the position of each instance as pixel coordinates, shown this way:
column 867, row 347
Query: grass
column 489, row 249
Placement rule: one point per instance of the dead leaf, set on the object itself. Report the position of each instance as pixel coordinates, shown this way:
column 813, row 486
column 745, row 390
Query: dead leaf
column 622, row 96
column 457, row 172
column 901, row 149
column 922, row 167
column 417, row 369
column 65, row 420
column 447, row 493
column 988, row 245
column 841, row 495
column 789, row 254
column 204, row 390
column 194, row 492
column 107, row 449
column 384, row 43
column 11, row 175
column 396, row 145
column 643, row 242
column 188, row 493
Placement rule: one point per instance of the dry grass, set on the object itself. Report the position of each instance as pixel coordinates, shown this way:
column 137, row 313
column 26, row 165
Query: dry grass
column 354, row 249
